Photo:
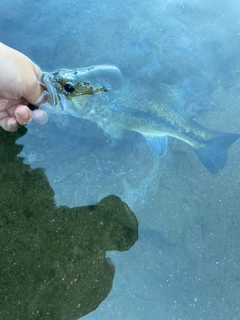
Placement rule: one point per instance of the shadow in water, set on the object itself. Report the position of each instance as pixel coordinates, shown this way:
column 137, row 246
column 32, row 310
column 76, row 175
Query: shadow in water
column 83, row 165
column 52, row 261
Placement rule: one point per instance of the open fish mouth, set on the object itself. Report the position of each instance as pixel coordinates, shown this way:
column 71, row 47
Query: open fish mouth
column 53, row 97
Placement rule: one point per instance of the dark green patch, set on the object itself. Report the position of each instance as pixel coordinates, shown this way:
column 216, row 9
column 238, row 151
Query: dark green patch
column 52, row 260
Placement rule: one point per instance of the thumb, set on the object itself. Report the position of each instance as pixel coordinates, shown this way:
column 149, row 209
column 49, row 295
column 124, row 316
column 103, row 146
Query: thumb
column 35, row 93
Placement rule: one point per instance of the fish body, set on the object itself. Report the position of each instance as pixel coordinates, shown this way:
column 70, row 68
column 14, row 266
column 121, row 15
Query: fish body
column 99, row 94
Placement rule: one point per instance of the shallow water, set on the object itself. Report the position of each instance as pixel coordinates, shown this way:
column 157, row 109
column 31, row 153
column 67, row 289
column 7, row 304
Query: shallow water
column 185, row 263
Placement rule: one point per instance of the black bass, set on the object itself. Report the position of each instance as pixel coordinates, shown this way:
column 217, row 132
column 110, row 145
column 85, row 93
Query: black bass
column 98, row 94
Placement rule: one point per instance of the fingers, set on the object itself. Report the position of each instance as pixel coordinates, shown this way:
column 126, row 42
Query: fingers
column 3, row 103
column 40, row 116
column 35, row 92
column 12, row 116
column 9, row 124
column 23, row 115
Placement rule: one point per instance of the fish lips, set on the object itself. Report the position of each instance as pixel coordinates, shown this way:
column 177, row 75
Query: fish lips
column 51, row 85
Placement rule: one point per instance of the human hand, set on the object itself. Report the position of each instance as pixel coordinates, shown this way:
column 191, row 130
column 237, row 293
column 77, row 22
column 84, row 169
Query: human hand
column 18, row 88
column 16, row 112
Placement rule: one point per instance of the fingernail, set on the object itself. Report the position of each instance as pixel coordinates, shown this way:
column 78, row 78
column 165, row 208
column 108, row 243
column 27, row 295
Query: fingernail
column 27, row 122
column 25, row 114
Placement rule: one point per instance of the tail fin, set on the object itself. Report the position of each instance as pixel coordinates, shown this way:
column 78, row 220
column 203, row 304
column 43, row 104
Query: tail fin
column 214, row 155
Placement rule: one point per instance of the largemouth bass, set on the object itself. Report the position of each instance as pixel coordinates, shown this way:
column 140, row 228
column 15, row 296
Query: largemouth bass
column 98, row 94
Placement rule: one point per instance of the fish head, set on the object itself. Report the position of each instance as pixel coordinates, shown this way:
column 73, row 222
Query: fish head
column 80, row 85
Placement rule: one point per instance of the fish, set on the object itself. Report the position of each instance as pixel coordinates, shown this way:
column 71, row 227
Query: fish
column 102, row 95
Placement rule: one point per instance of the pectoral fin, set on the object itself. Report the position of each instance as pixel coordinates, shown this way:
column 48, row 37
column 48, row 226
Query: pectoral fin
column 157, row 144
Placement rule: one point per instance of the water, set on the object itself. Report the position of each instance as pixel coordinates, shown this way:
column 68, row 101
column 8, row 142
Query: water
column 186, row 261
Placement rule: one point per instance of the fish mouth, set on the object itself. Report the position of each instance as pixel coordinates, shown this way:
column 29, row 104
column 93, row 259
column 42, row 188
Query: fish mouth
column 53, row 96
column 64, row 85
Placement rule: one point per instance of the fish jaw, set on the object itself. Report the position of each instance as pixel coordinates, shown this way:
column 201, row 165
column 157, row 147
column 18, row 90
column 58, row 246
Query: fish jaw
column 75, row 91
column 81, row 81
column 47, row 81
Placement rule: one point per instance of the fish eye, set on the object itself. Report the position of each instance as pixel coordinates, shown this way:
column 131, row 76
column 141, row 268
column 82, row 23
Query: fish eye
column 69, row 87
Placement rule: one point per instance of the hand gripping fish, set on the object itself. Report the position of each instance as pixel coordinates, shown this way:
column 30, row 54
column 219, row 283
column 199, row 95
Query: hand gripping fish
column 98, row 94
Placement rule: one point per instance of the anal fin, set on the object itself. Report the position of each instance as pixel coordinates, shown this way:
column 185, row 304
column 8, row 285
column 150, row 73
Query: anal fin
column 157, row 144
column 114, row 131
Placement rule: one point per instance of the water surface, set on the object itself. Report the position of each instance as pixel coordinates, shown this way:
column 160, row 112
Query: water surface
column 185, row 263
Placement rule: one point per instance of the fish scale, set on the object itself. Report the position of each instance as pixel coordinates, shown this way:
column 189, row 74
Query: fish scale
column 101, row 94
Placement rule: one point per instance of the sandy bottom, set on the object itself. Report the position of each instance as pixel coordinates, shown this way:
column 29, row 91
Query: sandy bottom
column 185, row 264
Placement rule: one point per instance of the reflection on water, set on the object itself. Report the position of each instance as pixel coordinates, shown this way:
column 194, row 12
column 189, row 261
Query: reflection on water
column 86, row 165
column 53, row 261
column 185, row 264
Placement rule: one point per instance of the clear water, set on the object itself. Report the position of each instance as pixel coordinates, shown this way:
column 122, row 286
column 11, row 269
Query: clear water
column 185, row 264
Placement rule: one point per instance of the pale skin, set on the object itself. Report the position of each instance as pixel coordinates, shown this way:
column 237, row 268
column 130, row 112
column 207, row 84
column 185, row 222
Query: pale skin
column 18, row 87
